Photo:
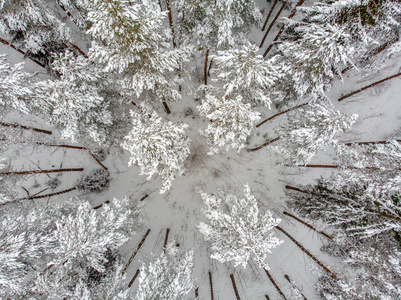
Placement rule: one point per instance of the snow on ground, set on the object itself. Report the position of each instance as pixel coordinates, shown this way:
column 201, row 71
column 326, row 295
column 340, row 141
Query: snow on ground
column 180, row 209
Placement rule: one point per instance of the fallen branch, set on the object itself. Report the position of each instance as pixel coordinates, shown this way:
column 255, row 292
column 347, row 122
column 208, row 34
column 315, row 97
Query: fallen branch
column 235, row 287
column 15, row 125
column 22, row 52
column 165, row 240
column 371, row 143
column 133, row 278
column 211, row 286
column 300, row 2
column 73, row 147
column 307, row 253
column 135, row 252
column 41, row 171
column 294, row 286
column 45, row 196
column 281, row 113
column 275, row 284
column 271, row 25
column 268, row 16
column 263, row 145
column 308, row 225
column 368, row 86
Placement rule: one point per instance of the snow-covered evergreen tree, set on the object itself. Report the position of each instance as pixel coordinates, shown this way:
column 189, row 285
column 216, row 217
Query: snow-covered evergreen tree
column 74, row 103
column 243, row 72
column 157, row 147
column 237, row 230
column 311, row 59
column 34, row 24
column 230, row 122
column 309, row 130
column 168, row 276
column 137, row 46
column 361, row 208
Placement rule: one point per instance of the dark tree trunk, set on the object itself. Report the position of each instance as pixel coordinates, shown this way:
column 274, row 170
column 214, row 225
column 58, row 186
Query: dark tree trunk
column 133, row 278
column 308, row 225
column 281, row 113
column 167, row 109
column 370, row 143
column 211, row 286
column 368, row 86
column 170, row 19
column 205, row 67
column 263, row 145
column 47, row 195
column 334, row 276
column 135, row 252
column 166, row 240
column 41, row 171
column 235, row 287
column 22, row 52
column 268, row 16
column 272, row 24
column 275, row 284
column 14, row 125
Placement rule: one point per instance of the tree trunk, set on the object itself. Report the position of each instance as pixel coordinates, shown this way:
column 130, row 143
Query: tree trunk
column 15, row 125
column 308, row 225
column 100, row 205
column 144, row 197
column 334, row 276
column 73, row 147
column 133, row 278
column 197, row 293
column 268, row 16
column 47, row 195
column 370, row 143
column 22, row 52
column 170, row 19
column 368, row 86
column 281, row 113
column 300, row 2
column 205, row 67
column 78, row 49
column 211, row 286
column 235, row 287
column 135, row 252
column 263, row 145
column 167, row 109
column 337, row 167
column 275, row 284
column 271, row 25
column 288, row 187
column 166, row 240
column 41, row 171
column 210, row 66
column 294, row 286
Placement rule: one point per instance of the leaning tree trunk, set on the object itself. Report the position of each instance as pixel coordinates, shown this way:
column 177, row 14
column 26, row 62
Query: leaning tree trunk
column 273, row 22
column 334, row 276
column 281, row 113
column 263, row 145
column 133, row 278
column 22, row 52
column 300, row 2
column 235, row 287
column 338, row 167
column 268, row 16
column 170, row 20
column 205, row 66
column 41, row 171
column 371, row 143
column 135, row 252
column 368, row 86
column 294, row 286
column 211, row 286
column 15, row 125
column 307, row 225
column 275, row 284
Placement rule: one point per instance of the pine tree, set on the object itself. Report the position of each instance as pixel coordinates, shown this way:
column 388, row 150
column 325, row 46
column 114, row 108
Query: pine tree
column 74, row 103
column 230, row 122
column 310, row 131
column 157, row 147
column 168, row 276
column 237, row 230
column 242, row 72
column 32, row 23
column 137, row 46
column 312, row 59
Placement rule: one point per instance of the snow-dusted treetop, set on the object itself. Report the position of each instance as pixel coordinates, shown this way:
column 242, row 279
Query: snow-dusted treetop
column 237, row 230
column 230, row 121
column 157, row 147
column 168, row 276
column 312, row 131
column 243, row 72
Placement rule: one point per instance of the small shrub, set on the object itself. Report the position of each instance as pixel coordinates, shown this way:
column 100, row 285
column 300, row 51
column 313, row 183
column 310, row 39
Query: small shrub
column 96, row 181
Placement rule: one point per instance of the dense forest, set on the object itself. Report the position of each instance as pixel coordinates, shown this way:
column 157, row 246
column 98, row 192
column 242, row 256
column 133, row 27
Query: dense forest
column 185, row 149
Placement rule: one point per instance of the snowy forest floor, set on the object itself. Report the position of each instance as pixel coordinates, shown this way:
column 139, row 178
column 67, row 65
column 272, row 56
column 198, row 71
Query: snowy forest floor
column 180, row 209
